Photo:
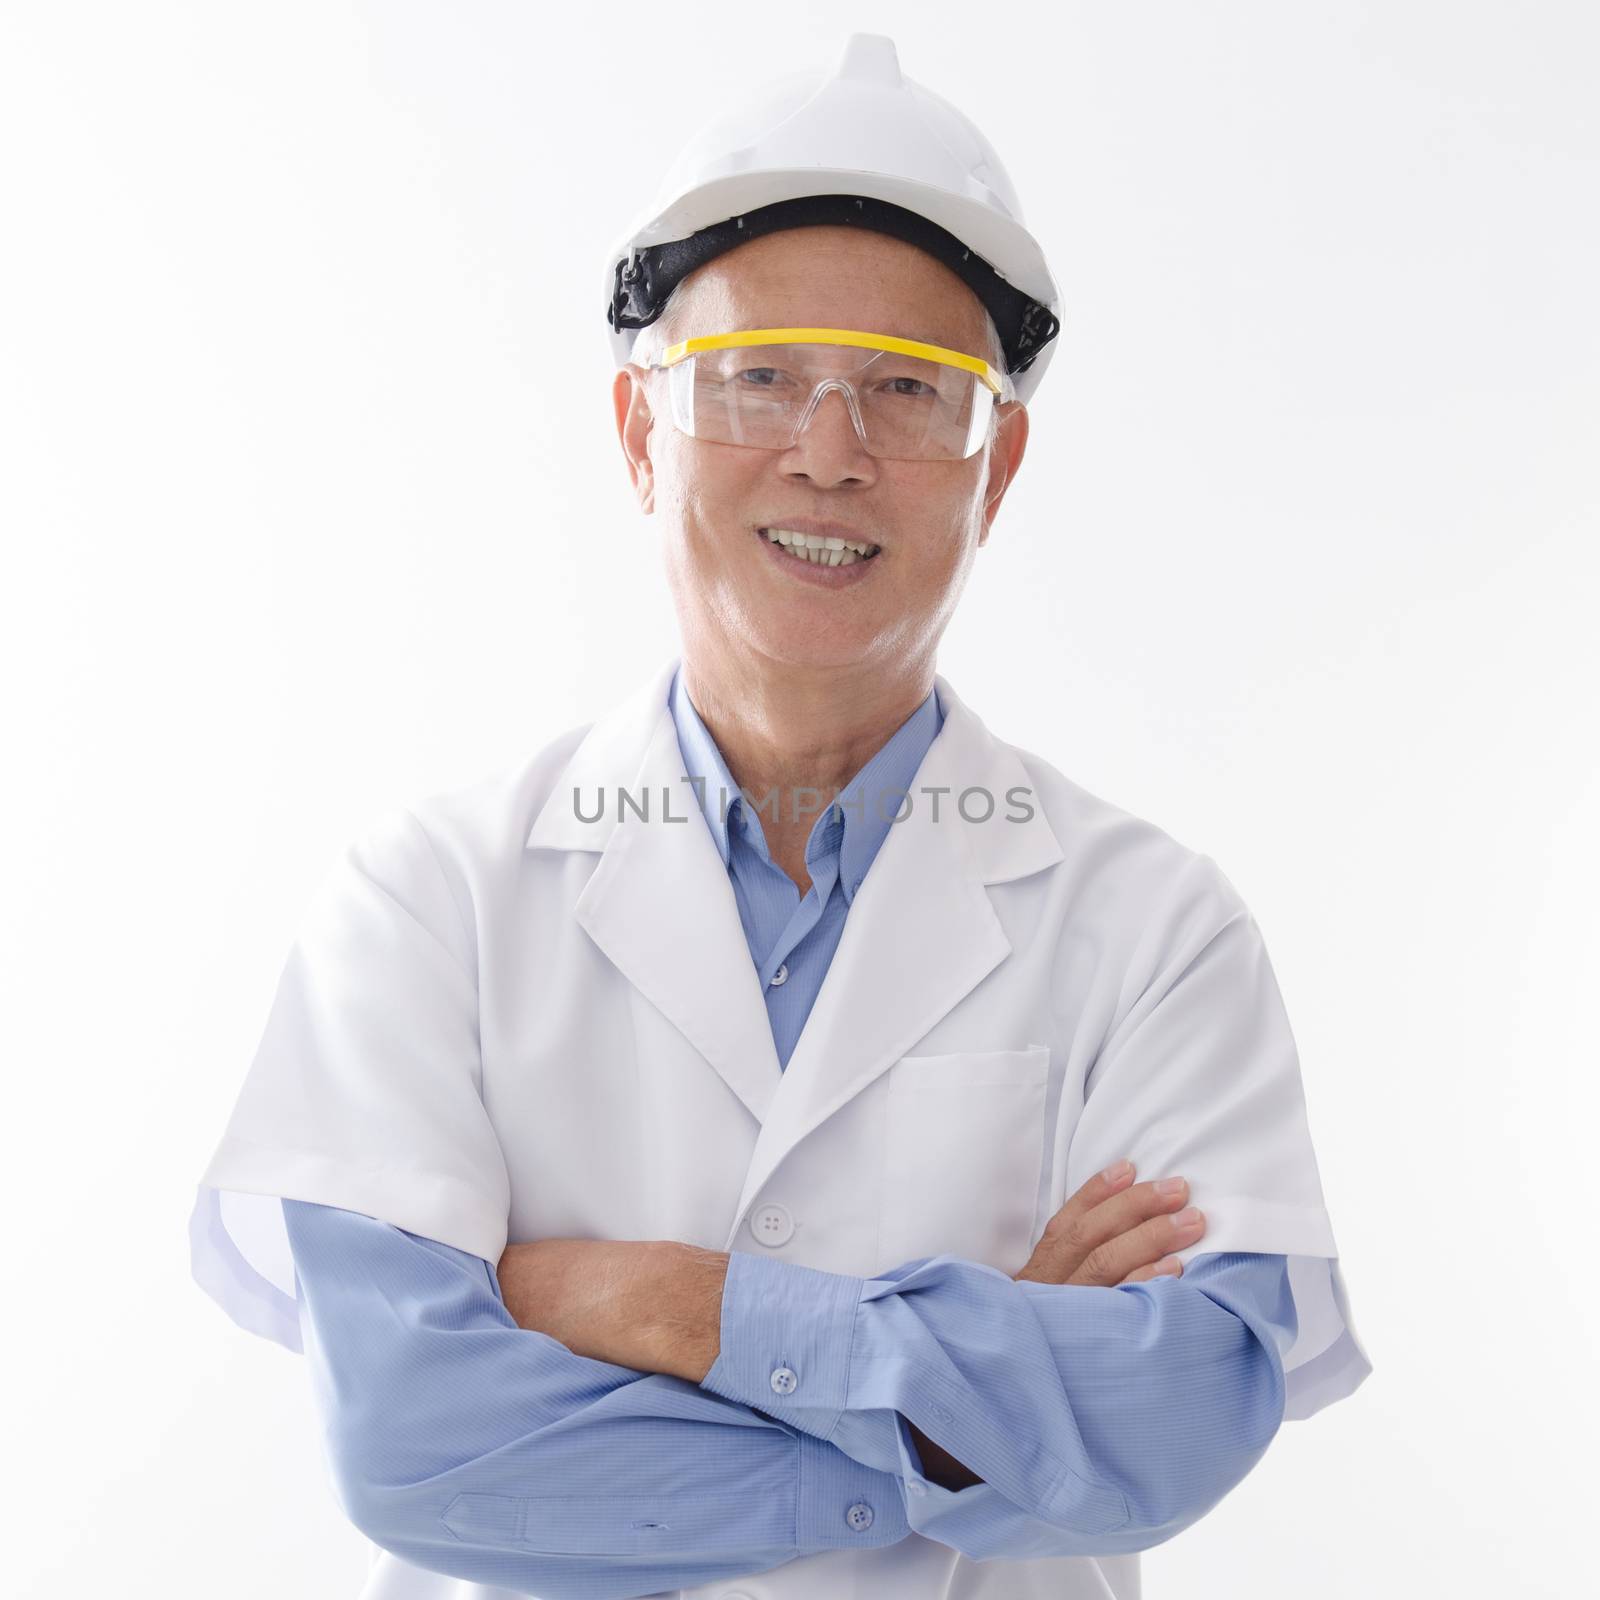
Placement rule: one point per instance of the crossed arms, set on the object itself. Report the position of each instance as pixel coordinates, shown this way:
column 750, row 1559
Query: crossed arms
column 632, row 1438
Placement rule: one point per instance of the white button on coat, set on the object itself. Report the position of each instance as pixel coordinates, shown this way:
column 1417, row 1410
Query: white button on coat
column 503, row 1022
column 772, row 1224
column 781, row 976
column 784, row 1381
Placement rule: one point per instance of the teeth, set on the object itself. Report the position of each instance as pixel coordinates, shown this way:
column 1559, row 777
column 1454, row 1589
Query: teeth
column 825, row 551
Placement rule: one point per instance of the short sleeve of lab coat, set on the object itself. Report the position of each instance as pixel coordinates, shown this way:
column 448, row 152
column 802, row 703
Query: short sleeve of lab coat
column 1199, row 1077
column 366, row 1089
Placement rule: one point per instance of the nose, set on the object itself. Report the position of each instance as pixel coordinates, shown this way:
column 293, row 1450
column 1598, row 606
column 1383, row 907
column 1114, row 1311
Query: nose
column 828, row 447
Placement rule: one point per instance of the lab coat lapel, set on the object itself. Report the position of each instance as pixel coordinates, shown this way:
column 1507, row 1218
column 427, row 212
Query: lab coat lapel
column 659, row 902
column 921, row 934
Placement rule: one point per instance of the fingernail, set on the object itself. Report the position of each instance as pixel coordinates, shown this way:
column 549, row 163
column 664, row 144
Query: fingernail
column 1117, row 1172
column 1170, row 1186
column 1171, row 1265
column 1187, row 1217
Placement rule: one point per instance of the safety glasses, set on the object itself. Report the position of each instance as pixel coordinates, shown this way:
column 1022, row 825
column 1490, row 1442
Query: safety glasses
column 760, row 387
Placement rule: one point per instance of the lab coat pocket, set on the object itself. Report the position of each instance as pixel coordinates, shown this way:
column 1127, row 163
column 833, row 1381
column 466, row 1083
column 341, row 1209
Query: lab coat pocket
column 964, row 1148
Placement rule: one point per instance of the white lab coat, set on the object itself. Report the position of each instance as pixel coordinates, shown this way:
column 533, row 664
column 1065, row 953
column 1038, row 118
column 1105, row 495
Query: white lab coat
column 502, row 1022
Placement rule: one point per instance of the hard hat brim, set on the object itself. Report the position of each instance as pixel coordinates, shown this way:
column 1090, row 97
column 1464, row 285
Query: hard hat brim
column 995, row 255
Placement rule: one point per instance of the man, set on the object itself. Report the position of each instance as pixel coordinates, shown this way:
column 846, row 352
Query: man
column 804, row 1109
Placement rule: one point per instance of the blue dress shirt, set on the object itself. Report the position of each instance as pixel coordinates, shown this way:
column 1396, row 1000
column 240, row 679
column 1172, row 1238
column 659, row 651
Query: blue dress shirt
column 792, row 940
column 1104, row 1420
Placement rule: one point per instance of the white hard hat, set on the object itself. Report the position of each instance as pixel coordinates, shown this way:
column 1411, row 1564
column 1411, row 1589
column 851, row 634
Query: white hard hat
column 858, row 146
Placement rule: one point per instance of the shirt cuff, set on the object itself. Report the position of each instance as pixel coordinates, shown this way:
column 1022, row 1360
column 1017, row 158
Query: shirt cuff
column 843, row 1505
column 786, row 1333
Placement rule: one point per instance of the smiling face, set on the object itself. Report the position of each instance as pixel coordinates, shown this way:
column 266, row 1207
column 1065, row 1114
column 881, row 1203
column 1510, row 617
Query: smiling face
column 733, row 589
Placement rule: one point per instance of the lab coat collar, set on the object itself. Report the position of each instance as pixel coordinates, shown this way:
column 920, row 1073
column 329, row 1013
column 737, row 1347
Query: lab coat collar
column 921, row 935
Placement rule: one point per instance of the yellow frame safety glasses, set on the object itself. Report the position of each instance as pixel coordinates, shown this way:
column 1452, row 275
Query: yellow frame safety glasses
column 720, row 395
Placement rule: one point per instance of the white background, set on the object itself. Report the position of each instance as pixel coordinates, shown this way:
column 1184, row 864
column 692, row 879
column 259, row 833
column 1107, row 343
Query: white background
column 313, row 503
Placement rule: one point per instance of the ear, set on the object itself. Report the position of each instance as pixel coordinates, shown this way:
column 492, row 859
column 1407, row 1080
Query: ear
column 635, row 421
column 1005, row 457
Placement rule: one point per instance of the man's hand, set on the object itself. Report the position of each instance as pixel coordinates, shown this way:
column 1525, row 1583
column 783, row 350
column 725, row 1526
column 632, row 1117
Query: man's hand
column 1111, row 1234
column 652, row 1305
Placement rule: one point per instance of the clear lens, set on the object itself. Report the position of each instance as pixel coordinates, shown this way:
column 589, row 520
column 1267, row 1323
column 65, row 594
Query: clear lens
column 906, row 408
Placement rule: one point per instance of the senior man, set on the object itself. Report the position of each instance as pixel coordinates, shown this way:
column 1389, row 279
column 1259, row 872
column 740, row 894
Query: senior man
column 701, row 1159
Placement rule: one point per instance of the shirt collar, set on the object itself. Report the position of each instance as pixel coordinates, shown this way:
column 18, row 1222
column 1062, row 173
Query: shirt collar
column 867, row 804
column 717, row 793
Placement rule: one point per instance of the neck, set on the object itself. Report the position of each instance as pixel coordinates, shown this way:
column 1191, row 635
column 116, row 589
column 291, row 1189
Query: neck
column 787, row 728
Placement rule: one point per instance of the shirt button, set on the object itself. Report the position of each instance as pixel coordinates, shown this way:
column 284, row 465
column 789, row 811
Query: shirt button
column 917, row 1487
column 772, row 1224
column 859, row 1516
column 781, row 976
column 784, row 1381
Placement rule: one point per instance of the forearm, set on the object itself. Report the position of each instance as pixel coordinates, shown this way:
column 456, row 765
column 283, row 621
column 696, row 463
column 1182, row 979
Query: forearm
column 655, row 1306
column 1053, row 1397
column 668, row 1319
column 594, row 1522
column 649, row 1305
column 467, row 1446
